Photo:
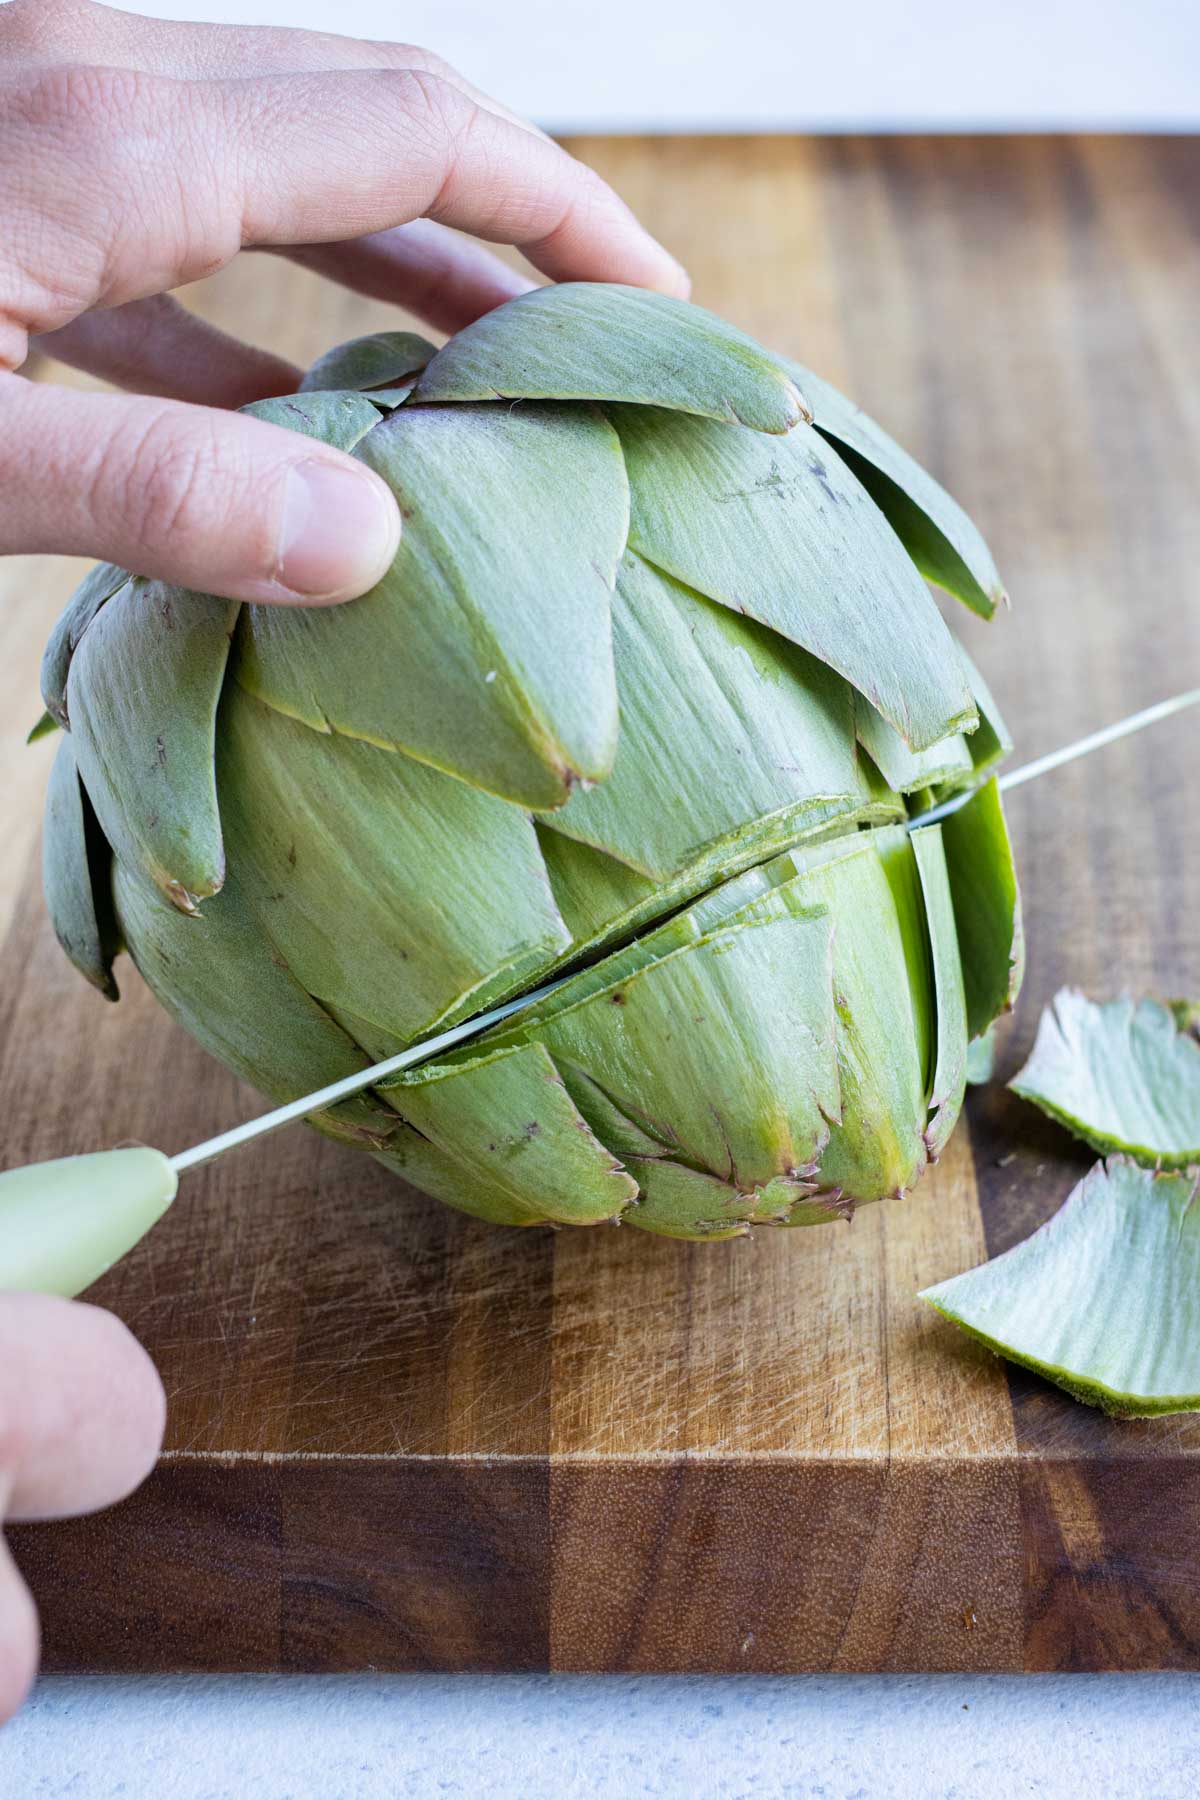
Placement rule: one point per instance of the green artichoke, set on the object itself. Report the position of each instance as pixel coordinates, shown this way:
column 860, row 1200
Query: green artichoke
column 648, row 695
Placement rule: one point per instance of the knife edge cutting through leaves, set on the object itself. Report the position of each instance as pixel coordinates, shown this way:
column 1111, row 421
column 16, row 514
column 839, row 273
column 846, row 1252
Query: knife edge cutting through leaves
column 64, row 1223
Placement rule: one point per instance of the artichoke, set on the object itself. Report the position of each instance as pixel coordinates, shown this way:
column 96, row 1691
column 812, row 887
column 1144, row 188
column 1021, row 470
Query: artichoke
column 648, row 697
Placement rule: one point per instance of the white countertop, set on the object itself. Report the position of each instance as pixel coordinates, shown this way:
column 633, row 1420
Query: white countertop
column 1111, row 1737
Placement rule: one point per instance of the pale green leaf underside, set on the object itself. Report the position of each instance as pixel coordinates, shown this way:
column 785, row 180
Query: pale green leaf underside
column 340, row 419
column 939, row 536
column 981, row 1058
column 486, row 650
column 1121, row 1075
column 97, row 587
column 142, row 695
column 779, row 529
column 1104, row 1299
column 950, row 1069
column 588, row 341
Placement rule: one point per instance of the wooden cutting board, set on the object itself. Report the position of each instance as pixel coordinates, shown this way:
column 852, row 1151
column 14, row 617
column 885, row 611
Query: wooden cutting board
column 400, row 1439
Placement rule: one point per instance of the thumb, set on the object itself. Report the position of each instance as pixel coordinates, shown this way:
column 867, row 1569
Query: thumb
column 203, row 499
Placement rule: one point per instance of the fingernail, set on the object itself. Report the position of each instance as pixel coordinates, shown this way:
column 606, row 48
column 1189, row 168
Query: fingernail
column 339, row 532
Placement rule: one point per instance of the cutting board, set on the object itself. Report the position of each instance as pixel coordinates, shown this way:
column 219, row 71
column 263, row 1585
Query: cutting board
column 400, row 1439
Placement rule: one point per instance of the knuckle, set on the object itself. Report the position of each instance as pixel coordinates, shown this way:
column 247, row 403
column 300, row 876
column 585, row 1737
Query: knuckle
column 89, row 104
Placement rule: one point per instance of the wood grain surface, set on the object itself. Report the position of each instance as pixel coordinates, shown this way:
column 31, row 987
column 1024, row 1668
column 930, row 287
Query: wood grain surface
column 400, row 1439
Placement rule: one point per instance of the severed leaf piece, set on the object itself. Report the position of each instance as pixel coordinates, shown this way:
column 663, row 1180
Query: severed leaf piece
column 142, row 695
column 781, row 530
column 586, row 341
column 75, row 874
column 991, row 741
column 97, row 587
column 46, row 726
column 1122, row 1075
column 987, row 906
column 385, row 362
column 1104, row 1299
column 950, row 1003
column 513, row 1139
column 486, row 650
column 947, row 763
column 943, row 542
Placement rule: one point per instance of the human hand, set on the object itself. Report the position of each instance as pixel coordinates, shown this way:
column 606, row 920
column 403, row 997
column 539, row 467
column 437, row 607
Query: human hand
column 138, row 154
column 81, row 1419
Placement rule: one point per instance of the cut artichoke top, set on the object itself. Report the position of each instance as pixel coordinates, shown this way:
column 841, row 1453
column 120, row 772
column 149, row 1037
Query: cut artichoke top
column 658, row 616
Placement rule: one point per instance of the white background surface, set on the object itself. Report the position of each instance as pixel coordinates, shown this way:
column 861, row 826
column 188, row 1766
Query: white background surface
column 670, row 65
column 758, row 65
column 1106, row 1737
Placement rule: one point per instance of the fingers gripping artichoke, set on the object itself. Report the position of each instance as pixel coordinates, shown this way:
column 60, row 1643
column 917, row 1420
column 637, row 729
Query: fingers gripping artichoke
column 648, row 694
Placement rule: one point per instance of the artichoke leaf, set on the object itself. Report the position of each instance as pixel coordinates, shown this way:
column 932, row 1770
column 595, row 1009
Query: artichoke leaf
column 45, row 727
column 723, row 1050
column 98, row 586
column 142, row 695
column 942, row 541
column 991, row 742
column 950, row 1002
column 340, row 419
column 75, row 876
column 393, row 893
column 779, row 529
column 735, row 724
column 948, row 763
column 219, row 977
column 601, row 341
column 509, row 1128
column 981, row 1058
column 486, row 650
column 1104, row 1299
column 384, row 365
column 1121, row 1075
column 987, row 906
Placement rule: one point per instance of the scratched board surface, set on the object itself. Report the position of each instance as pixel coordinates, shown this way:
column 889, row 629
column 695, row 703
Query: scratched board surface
column 401, row 1439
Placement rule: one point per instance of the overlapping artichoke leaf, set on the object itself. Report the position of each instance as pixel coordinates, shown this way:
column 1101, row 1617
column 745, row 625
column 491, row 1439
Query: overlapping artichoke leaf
column 384, row 366
column 990, row 743
column 584, row 341
column 943, row 542
column 142, row 696
column 987, row 906
column 781, row 530
column 947, row 763
column 950, row 1001
column 486, row 650
column 1122, row 1075
column 1104, row 1299
column 509, row 1139
column 340, row 419
column 97, row 587
column 395, row 895
column 75, row 876
column 981, row 1058
column 744, row 732
column 219, row 976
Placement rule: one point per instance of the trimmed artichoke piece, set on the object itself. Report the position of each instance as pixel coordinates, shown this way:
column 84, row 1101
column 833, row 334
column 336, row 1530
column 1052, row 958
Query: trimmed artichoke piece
column 947, row 763
column 991, row 743
column 1123, row 1076
column 585, row 341
column 486, row 650
column 987, row 907
column 76, row 866
column 1104, row 1299
column 781, row 530
column 943, row 542
column 394, row 894
column 142, row 695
